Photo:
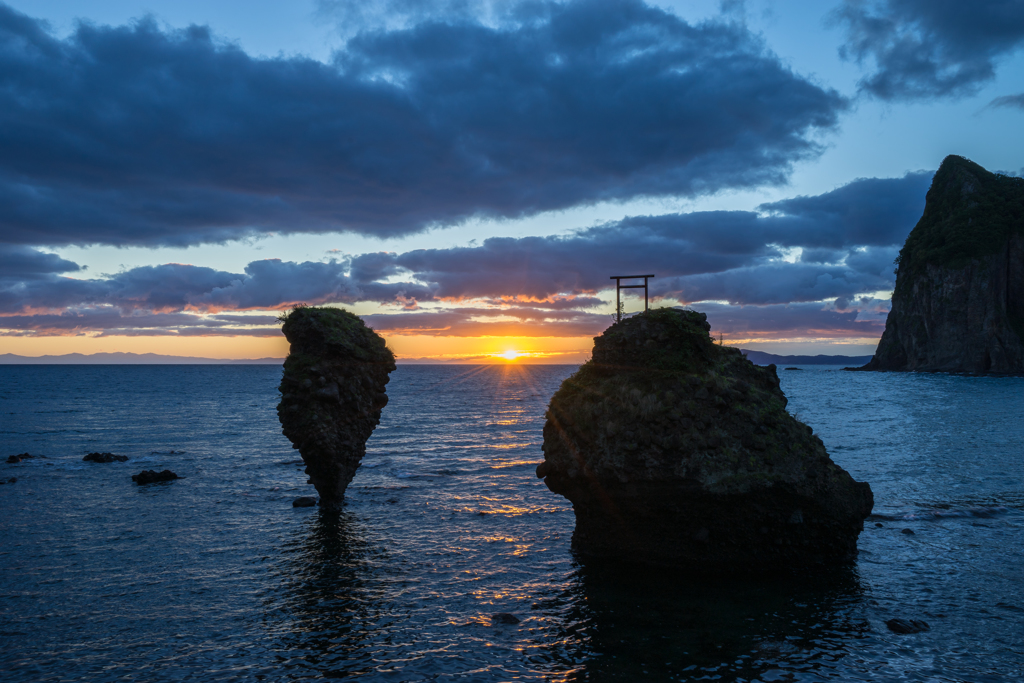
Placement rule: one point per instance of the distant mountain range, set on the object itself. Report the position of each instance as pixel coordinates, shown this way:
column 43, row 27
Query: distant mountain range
column 129, row 359
column 762, row 358
column 756, row 357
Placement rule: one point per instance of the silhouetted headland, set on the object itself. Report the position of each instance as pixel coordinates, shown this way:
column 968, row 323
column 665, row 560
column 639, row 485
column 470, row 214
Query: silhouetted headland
column 958, row 305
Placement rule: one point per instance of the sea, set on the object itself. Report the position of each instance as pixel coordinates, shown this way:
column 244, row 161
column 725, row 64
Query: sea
column 216, row 577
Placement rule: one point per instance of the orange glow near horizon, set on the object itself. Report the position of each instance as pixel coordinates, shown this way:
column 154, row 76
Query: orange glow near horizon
column 407, row 348
column 422, row 348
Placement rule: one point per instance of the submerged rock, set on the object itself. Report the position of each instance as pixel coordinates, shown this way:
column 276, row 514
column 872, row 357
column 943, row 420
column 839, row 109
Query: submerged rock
column 904, row 626
column 304, row 502
column 105, row 457
column 958, row 304
column 677, row 451
column 153, row 477
column 332, row 393
column 505, row 618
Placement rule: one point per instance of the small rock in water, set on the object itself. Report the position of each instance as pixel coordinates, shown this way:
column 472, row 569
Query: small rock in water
column 304, row 502
column 505, row 618
column 908, row 532
column 879, row 525
column 105, row 457
column 907, row 625
column 9, row 481
column 152, row 477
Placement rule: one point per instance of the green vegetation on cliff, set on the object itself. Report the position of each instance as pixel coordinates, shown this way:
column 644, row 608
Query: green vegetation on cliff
column 970, row 213
column 319, row 330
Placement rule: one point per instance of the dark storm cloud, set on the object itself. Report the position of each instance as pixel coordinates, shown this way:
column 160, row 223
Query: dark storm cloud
column 923, row 49
column 136, row 135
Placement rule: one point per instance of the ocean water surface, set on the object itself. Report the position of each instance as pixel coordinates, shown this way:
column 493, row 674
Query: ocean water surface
column 215, row 577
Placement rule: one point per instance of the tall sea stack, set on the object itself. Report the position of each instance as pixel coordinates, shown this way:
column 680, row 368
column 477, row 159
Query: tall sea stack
column 677, row 451
column 958, row 305
column 332, row 393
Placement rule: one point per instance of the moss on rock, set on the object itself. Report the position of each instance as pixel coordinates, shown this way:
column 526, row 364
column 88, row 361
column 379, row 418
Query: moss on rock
column 675, row 450
column 332, row 393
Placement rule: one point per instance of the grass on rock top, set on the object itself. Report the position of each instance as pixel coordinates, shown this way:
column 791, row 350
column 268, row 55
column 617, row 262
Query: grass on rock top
column 970, row 213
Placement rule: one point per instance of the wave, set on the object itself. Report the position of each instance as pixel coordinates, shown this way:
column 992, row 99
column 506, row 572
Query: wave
column 943, row 514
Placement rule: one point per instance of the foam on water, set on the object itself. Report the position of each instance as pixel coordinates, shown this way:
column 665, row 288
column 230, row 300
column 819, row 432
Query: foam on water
column 215, row 577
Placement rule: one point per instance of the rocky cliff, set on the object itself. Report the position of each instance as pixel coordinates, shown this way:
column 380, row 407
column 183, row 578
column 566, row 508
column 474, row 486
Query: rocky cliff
column 958, row 304
column 332, row 394
column 677, row 451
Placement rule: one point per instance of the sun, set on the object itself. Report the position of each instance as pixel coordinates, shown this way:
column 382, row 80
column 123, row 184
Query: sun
column 510, row 355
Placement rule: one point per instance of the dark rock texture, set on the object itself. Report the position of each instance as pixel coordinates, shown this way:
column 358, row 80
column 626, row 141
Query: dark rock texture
column 904, row 626
column 505, row 618
column 304, row 502
column 677, row 451
column 105, row 457
column 153, row 477
column 958, row 304
column 332, row 394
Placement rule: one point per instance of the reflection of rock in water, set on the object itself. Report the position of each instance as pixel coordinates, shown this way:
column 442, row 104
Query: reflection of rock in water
column 332, row 393
column 677, row 451
column 670, row 628
column 330, row 581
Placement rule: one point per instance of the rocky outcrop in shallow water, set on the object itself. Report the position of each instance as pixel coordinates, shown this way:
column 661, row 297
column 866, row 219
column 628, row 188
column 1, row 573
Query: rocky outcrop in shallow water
column 153, row 477
column 677, row 451
column 958, row 304
column 105, row 457
column 332, row 394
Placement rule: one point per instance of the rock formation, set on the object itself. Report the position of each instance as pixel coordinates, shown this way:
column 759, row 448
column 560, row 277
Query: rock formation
column 332, row 393
column 958, row 305
column 153, row 477
column 677, row 451
column 105, row 457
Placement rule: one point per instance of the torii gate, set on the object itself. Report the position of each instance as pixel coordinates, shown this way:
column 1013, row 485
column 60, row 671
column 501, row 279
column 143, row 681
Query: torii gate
column 619, row 287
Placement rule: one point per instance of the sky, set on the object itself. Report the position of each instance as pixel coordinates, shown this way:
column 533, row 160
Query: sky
column 467, row 176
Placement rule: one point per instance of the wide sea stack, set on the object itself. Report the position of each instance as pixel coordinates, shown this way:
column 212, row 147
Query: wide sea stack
column 958, row 305
column 677, row 451
column 332, row 393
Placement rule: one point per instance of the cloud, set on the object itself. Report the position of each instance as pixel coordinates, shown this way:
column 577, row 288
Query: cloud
column 924, row 49
column 783, row 282
column 863, row 223
column 139, row 135
column 1008, row 101
column 269, row 284
column 847, row 240
column 17, row 262
column 801, row 252
column 782, row 321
